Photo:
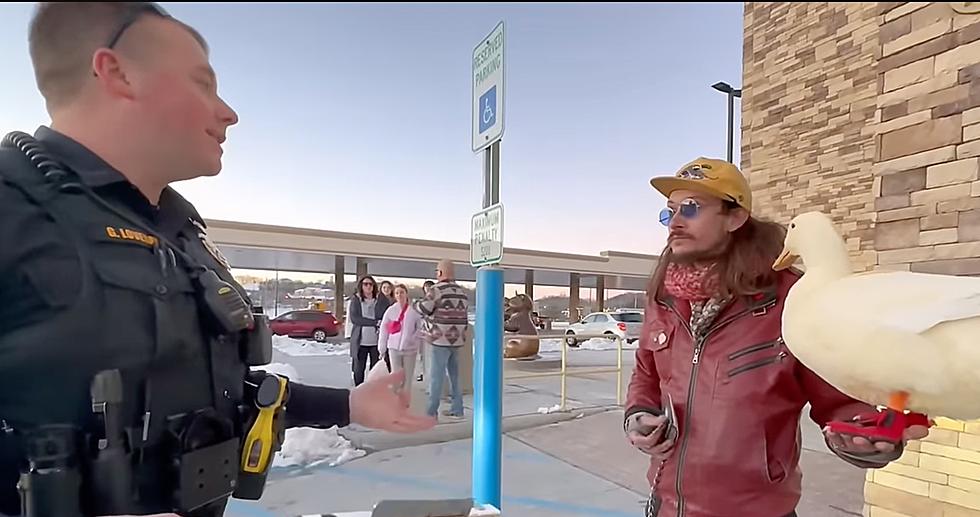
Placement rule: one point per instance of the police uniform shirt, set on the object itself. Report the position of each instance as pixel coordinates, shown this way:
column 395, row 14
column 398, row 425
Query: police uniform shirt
column 83, row 289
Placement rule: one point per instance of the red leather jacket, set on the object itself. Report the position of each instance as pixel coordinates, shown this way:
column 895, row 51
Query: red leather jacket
column 738, row 396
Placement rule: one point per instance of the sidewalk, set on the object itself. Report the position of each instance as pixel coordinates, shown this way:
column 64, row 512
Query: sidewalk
column 535, row 482
column 569, row 463
column 831, row 487
column 580, row 467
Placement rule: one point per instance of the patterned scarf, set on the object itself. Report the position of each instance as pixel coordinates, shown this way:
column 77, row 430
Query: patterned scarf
column 699, row 286
column 690, row 282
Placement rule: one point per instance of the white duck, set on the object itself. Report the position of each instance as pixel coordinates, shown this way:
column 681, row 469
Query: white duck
column 897, row 339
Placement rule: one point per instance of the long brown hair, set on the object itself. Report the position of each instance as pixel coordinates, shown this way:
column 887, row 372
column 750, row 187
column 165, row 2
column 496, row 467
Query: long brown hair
column 375, row 291
column 745, row 267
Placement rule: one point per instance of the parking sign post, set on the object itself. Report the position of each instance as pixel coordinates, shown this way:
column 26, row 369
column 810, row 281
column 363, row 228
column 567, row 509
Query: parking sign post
column 486, row 251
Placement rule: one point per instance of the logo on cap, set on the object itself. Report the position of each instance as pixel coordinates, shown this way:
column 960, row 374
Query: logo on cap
column 696, row 172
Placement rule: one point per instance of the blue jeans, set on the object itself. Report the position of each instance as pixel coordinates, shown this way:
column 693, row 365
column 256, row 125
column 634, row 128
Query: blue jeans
column 444, row 358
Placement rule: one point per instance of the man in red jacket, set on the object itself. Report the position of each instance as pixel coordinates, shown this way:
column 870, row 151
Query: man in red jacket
column 716, row 397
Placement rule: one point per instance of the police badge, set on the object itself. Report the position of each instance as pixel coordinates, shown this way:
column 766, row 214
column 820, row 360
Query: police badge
column 209, row 245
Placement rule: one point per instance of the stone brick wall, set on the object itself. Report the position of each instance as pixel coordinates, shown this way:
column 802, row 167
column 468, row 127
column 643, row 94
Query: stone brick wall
column 928, row 137
column 808, row 107
column 938, row 477
column 871, row 112
column 928, row 218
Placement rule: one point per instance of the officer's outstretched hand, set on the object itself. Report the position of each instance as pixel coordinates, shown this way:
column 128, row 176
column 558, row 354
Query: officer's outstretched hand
column 375, row 404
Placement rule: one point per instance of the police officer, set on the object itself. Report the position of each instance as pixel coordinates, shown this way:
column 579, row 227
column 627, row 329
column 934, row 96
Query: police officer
column 105, row 268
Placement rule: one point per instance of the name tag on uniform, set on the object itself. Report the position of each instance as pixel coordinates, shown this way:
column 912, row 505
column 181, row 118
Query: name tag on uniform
column 129, row 235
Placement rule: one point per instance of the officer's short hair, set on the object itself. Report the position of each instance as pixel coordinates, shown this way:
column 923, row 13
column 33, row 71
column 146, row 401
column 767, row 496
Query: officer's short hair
column 64, row 35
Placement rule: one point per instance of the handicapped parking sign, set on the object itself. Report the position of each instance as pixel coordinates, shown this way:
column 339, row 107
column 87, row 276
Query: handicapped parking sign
column 488, row 97
column 488, row 109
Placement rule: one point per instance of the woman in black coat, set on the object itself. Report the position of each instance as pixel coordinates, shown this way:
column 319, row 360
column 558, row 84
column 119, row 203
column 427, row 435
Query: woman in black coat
column 367, row 308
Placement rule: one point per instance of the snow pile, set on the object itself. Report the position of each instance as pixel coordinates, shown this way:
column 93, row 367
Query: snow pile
column 299, row 347
column 284, row 369
column 310, row 447
column 549, row 346
column 485, row 511
column 273, row 313
column 548, row 410
column 305, row 446
column 596, row 343
column 605, row 344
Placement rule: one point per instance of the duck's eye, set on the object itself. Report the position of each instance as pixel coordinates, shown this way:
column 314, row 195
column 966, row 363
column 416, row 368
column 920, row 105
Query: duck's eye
column 792, row 225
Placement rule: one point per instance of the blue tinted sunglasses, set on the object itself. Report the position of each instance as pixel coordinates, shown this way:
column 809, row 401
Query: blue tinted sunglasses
column 689, row 209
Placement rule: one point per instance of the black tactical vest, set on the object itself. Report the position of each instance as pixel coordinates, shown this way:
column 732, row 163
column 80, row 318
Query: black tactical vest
column 113, row 296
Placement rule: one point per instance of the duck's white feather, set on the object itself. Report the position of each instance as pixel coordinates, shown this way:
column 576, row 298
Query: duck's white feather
column 871, row 335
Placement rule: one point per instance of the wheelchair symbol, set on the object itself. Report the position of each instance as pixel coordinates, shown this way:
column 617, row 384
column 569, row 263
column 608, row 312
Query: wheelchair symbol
column 488, row 109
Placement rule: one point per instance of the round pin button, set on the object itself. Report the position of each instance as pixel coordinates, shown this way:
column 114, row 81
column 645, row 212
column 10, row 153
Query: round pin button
column 161, row 289
column 662, row 338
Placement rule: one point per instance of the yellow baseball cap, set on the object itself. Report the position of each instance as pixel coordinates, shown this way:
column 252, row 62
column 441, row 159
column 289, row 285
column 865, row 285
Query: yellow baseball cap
column 716, row 178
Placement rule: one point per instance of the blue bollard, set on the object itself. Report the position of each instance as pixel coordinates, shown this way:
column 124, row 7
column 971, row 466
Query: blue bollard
column 488, row 385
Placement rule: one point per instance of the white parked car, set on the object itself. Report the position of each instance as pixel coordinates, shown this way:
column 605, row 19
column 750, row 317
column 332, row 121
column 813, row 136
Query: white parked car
column 625, row 324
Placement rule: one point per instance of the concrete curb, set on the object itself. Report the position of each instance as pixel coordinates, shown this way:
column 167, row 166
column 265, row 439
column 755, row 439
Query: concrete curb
column 376, row 441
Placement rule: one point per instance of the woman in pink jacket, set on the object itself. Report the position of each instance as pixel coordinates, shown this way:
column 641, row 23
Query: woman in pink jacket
column 399, row 336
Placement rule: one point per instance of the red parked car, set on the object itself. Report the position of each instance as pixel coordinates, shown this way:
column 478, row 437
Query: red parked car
column 318, row 325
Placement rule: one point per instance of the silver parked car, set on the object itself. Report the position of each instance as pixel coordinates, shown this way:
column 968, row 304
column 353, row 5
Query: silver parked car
column 624, row 323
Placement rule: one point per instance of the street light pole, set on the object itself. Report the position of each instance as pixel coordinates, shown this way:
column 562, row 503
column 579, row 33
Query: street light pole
column 727, row 89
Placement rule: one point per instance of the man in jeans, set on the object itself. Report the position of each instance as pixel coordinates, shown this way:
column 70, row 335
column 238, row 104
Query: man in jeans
column 444, row 308
column 426, row 287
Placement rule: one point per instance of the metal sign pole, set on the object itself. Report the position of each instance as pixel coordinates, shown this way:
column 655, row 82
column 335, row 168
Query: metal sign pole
column 488, row 361
column 486, row 251
column 494, row 173
column 487, row 176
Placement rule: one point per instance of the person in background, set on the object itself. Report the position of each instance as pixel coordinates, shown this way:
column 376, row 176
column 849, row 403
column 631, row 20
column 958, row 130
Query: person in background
column 422, row 350
column 348, row 325
column 366, row 311
column 444, row 329
column 399, row 338
column 388, row 291
column 388, row 299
